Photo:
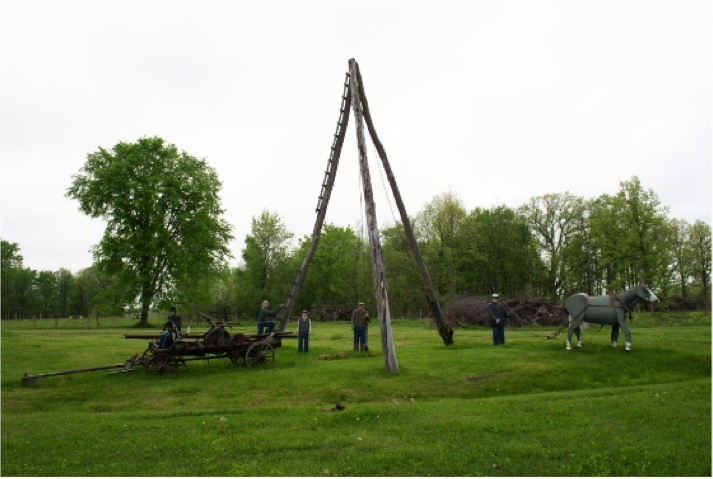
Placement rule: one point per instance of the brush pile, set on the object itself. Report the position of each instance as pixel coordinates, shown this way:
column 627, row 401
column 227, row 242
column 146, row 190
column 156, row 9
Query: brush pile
column 677, row 303
column 473, row 310
column 327, row 312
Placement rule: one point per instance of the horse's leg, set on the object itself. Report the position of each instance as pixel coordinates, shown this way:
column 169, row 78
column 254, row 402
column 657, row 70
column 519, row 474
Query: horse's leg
column 574, row 326
column 578, row 332
column 614, row 334
column 569, row 334
column 621, row 318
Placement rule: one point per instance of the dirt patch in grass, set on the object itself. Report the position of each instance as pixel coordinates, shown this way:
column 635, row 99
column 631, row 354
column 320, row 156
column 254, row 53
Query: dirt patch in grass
column 342, row 355
column 478, row 379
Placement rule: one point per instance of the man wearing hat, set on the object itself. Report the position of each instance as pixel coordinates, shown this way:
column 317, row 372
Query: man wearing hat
column 304, row 327
column 360, row 325
column 498, row 316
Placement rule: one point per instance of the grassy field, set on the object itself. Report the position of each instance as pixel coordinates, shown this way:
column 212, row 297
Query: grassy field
column 529, row 408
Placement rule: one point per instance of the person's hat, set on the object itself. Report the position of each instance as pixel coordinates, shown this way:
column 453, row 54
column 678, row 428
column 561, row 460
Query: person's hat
column 360, row 303
column 173, row 309
column 304, row 311
column 495, row 295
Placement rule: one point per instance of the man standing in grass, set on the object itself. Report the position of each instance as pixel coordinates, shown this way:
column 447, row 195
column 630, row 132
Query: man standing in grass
column 264, row 314
column 304, row 328
column 360, row 325
column 498, row 315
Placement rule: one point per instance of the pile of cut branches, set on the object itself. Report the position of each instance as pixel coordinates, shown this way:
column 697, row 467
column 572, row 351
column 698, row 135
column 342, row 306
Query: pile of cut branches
column 678, row 303
column 473, row 310
column 326, row 312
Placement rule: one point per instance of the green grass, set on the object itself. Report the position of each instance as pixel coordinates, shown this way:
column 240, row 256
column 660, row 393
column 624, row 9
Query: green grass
column 530, row 408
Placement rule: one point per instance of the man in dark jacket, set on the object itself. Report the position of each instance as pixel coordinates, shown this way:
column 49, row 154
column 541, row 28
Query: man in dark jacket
column 498, row 316
column 175, row 318
column 265, row 313
column 304, row 327
column 360, row 325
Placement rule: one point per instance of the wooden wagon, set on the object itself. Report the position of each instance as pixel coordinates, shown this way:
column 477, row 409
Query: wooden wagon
column 250, row 350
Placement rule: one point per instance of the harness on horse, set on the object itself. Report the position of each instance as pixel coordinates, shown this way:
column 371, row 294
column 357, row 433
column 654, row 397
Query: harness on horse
column 615, row 297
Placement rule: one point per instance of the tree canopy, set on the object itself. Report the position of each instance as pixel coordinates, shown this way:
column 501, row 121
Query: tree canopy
column 163, row 214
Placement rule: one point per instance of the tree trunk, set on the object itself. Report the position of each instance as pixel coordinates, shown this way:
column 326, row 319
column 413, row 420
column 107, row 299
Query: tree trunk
column 145, row 305
column 377, row 260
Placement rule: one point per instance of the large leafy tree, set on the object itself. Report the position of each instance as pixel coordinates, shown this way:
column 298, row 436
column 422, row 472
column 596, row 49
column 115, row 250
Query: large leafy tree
column 554, row 219
column 98, row 294
column 681, row 265
column 700, row 254
column 163, row 214
column 498, row 254
column 438, row 224
column 10, row 267
column 332, row 277
column 268, row 266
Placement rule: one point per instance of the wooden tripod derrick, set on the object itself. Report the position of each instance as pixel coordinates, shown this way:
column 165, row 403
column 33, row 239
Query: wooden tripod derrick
column 354, row 96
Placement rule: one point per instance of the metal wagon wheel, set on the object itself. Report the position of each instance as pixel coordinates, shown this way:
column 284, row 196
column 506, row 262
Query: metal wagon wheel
column 161, row 364
column 259, row 354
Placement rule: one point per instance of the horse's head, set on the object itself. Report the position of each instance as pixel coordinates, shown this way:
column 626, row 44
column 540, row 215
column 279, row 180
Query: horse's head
column 645, row 293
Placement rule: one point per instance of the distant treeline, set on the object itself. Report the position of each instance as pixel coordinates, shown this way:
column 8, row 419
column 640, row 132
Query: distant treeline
column 552, row 246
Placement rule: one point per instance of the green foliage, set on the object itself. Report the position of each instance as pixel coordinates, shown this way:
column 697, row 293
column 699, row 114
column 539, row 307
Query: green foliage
column 438, row 225
column 554, row 219
column 406, row 291
column 553, row 246
column 499, row 253
column 333, row 274
column 267, row 262
column 162, row 209
column 699, row 250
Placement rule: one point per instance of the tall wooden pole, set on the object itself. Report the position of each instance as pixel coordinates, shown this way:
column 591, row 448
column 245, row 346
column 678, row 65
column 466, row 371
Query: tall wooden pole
column 443, row 329
column 377, row 260
column 327, row 184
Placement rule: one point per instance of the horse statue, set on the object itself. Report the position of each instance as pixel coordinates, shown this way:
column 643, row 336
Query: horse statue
column 605, row 310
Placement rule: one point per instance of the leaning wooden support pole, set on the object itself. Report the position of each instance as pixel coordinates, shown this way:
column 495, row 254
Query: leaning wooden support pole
column 377, row 260
column 443, row 329
column 325, row 194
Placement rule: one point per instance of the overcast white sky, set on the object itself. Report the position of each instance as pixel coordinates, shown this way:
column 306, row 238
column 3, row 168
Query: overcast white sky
column 494, row 101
